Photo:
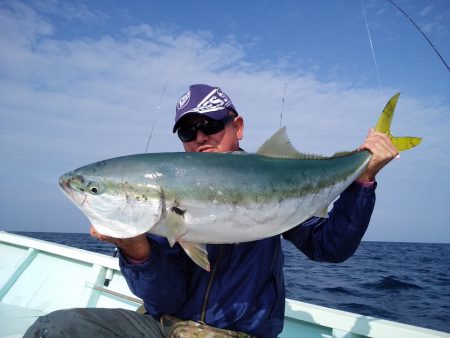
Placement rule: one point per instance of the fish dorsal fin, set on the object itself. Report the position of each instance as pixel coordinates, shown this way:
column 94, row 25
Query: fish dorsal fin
column 278, row 145
column 344, row 153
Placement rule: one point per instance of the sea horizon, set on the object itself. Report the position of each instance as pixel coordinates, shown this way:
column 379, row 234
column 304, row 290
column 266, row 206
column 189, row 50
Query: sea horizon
column 87, row 232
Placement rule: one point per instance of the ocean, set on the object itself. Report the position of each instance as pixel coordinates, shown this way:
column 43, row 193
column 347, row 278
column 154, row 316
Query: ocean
column 404, row 282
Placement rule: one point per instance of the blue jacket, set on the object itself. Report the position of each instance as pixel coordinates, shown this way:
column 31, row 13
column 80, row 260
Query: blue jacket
column 245, row 289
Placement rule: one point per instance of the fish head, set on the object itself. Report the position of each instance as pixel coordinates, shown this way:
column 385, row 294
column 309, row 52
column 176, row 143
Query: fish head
column 115, row 205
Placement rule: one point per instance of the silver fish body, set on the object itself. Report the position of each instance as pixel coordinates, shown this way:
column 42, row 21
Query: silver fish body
column 207, row 197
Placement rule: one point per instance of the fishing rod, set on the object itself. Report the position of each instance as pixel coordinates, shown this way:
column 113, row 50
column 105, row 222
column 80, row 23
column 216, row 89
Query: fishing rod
column 156, row 116
column 429, row 41
column 282, row 105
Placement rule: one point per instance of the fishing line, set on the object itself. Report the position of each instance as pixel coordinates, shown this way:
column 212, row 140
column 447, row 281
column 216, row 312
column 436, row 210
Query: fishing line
column 371, row 44
column 431, row 44
column 156, row 116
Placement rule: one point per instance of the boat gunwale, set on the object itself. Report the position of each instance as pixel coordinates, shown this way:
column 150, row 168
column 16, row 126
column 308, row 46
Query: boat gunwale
column 60, row 250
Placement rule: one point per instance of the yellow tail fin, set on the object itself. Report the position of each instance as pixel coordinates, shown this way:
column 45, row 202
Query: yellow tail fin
column 384, row 125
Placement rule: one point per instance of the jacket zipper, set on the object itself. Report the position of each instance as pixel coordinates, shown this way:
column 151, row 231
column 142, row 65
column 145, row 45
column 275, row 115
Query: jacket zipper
column 208, row 289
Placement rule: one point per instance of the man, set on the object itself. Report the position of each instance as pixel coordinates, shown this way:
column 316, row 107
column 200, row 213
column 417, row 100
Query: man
column 245, row 290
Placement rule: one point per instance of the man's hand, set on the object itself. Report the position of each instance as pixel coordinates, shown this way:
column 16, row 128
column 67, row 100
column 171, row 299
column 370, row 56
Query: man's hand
column 136, row 248
column 382, row 151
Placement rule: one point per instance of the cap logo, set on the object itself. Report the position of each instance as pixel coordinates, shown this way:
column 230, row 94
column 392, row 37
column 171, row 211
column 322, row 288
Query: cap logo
column 215, row 100
column 184, row 100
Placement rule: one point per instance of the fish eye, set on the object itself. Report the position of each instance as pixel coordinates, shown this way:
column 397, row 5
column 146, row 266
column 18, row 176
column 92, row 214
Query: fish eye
column 94, row 188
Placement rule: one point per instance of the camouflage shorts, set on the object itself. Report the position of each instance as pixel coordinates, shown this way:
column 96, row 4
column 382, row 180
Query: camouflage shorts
column 177, row 328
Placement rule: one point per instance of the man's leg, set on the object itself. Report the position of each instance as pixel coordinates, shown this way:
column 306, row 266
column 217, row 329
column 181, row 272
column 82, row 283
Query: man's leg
column 92, row 322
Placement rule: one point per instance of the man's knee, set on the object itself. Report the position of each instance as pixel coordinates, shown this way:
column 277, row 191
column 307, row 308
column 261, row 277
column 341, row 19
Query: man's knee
column 61, row 323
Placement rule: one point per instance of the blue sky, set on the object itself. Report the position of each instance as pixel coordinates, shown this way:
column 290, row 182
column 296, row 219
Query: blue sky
column 81, row 81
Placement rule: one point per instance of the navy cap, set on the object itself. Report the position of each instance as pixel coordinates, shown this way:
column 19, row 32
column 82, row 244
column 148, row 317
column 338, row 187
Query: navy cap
column 203, row 100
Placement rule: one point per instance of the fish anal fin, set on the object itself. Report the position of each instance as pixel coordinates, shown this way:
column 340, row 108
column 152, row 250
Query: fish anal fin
column 323, row 213
column 197, row 252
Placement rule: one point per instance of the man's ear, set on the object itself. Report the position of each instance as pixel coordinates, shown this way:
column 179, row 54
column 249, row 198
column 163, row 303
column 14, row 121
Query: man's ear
column 239, row 125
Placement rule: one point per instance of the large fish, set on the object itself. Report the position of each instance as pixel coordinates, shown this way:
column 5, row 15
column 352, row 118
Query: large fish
column 200, row 198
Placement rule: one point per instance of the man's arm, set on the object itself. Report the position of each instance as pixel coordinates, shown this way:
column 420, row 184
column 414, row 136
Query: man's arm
column 153, row 270
column 336, row 238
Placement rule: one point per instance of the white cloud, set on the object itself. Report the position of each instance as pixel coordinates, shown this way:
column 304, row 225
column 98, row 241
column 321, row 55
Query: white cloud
column 71, row 11
column 67, row 102
column 427, row 10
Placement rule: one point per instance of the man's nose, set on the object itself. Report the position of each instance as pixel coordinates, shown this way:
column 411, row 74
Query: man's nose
column 201, row 136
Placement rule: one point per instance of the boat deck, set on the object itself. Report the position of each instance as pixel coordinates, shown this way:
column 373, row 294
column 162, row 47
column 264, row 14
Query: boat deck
column 13, row 319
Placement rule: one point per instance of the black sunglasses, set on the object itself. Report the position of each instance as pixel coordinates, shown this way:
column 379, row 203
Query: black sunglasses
column 207, row 126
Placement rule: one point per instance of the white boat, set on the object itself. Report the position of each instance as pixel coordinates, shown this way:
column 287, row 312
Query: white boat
column 37, row 277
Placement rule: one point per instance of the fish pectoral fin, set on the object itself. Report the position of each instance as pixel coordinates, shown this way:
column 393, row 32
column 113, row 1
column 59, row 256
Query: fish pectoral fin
column 197, row 252
column 175, row 225
column 176, row 228
column 323, row 213
column 279, row 145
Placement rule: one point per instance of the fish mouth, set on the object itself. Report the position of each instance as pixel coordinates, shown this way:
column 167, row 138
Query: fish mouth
column 75, row 195
column 64, row 183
